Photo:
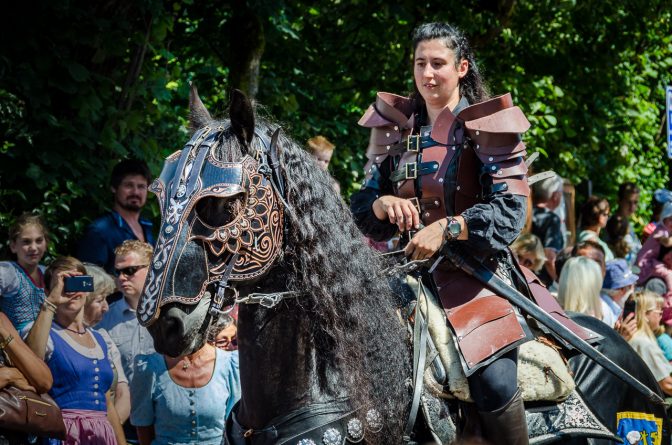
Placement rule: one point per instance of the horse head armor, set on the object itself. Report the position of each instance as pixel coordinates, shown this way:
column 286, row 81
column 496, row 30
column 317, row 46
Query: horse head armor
column 221, row 221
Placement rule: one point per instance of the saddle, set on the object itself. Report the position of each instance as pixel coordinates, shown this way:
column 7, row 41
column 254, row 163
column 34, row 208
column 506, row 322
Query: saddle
column 543, row 373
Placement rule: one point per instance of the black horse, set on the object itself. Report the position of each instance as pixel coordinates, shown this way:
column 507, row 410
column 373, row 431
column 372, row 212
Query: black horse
column 248, row 215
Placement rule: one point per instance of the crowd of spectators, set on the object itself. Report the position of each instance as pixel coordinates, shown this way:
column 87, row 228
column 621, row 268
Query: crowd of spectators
column 608, row 265
column 87, row 349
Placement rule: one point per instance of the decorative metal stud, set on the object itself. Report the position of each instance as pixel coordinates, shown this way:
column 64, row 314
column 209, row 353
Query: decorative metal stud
column 458, row 187
column 332, row 437
column 374, row 420
column 440, row 179
column 306, row 442
column 490, row 159
column 387, row 135
column 477, row 132
column 181, row 190
column 355, row 430
column 169, row 229
column 157, row 264
column 396, row 128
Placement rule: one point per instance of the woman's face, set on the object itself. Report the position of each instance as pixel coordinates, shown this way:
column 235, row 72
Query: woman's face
column 29, row 246
column 226, row 339
column 436, row 75
column 95, row 310
column 74, row 306
column 654, row 316
column 604, row 216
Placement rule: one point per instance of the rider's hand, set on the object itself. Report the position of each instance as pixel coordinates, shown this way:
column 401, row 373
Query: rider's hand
column 427, row 241
column 56, row 294
column 398, row 210
column 626, row 328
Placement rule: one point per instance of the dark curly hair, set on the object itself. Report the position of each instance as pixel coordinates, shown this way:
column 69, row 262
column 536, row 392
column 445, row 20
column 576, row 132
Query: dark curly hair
column 359, row 341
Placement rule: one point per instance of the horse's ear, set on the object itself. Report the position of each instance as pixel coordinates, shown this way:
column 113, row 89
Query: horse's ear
column 198, row 114
column 241, row 114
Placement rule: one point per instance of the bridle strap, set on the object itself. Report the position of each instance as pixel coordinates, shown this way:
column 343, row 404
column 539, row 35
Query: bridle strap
column 218, row 299
column 267, row 300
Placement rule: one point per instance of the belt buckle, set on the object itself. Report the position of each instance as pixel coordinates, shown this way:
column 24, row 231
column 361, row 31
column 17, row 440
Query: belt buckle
column 411, row 170
column 409, row 145
column 416, row 203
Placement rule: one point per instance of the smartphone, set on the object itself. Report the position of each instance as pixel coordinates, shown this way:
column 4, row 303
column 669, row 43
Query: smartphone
column 629, row 307
column 78, row 283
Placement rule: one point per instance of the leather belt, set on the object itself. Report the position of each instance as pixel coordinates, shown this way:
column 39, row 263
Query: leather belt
column 412, row 170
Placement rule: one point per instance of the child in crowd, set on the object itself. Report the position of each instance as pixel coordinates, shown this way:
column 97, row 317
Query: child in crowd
column 22, row 281
column 322, row 150
column 650, row 259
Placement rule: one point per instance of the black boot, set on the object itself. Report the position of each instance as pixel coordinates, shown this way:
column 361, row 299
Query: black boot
column 507, row 425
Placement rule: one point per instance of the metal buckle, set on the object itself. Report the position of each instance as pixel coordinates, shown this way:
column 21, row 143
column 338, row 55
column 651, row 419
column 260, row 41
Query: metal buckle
column 416, row 203
column 411, row 170
column 416, row 137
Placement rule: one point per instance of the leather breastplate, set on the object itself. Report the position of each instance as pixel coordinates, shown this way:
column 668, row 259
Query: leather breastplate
column 455, row 164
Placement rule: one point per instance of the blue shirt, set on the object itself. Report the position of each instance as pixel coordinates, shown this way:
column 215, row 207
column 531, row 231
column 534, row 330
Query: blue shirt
column 665, row 343
column 104, row 234
column 131, row 338
column 184, row 415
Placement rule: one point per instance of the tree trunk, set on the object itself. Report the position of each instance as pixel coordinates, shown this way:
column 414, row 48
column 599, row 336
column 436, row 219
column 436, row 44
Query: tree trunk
column 247, row 46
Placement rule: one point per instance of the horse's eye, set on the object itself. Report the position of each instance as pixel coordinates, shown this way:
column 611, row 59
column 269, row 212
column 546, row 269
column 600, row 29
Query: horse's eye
column 217, row 212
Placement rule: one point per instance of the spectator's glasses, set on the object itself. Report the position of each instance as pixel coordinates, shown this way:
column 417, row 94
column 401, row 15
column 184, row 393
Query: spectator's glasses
column 227, row 343
column 129, row 271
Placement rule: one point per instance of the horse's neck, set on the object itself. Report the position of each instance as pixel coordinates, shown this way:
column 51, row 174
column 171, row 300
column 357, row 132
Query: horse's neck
column 277, row 363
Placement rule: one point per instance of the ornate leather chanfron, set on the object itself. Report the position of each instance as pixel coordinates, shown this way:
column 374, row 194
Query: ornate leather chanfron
column 195, row 251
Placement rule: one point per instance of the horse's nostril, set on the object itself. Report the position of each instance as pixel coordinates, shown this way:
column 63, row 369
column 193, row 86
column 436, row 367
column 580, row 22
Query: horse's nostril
column 173, row 326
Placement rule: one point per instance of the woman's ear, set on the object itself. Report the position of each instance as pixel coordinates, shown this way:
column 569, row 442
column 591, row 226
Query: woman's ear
column 462, row 68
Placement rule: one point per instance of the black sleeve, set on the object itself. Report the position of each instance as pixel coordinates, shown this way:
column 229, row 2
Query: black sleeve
column 376, row 184
column 494, row 225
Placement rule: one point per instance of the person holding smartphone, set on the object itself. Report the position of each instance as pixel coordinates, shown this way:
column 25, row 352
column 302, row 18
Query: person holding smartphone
column 77, row 357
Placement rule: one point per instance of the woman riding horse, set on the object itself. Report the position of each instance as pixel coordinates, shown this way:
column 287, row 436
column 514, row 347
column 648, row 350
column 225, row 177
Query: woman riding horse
column 447, row 164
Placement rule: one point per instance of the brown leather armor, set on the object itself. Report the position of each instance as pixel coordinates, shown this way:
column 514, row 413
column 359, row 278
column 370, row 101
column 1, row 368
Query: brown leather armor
column 482, row 142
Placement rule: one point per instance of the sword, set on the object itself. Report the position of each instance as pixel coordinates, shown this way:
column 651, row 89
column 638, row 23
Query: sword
column 501, row 288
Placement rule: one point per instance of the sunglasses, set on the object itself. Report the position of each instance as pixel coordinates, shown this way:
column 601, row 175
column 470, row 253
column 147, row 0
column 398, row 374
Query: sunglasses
column 129, row 271
column 224, row 343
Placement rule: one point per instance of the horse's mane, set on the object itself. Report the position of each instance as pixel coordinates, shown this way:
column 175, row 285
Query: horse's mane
column 352, row 311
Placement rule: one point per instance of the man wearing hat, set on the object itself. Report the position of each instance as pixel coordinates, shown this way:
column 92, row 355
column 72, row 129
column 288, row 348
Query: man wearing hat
column 619, row 282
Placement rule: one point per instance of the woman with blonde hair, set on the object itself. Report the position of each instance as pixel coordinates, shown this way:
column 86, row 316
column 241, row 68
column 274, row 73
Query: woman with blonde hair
column 580, row 285
column 648, row 314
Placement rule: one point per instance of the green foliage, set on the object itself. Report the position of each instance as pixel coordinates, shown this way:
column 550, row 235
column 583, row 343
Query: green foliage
column 85, row 84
